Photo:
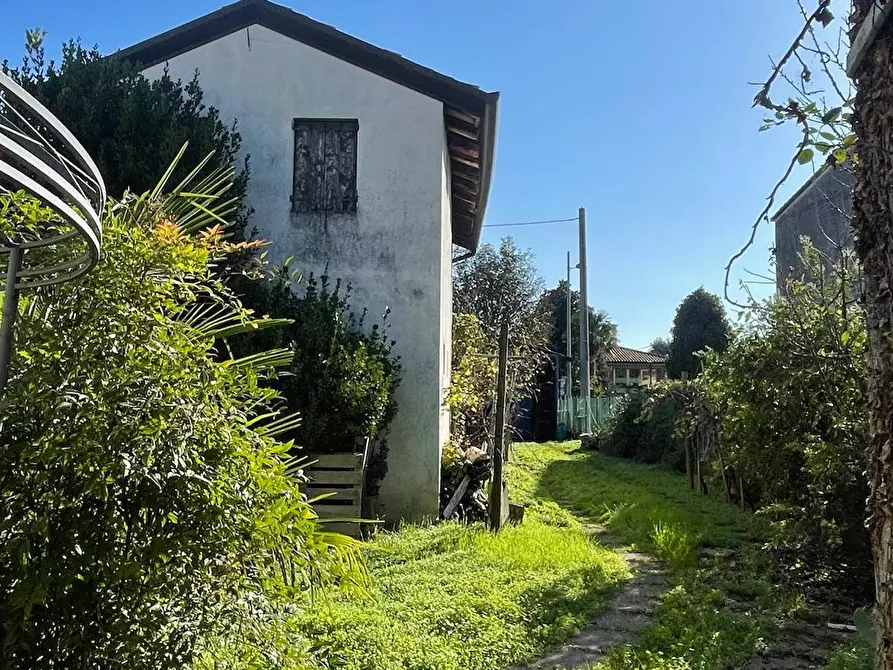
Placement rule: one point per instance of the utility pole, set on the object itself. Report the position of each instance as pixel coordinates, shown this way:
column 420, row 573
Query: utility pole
column 569, row 350
column 584, row 327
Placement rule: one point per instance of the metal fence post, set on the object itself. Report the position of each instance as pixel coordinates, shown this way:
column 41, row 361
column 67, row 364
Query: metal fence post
column 10, row 311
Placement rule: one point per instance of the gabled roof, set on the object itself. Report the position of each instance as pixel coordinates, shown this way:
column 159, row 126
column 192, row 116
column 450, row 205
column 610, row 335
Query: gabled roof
column 469, row 112
column 620, row 355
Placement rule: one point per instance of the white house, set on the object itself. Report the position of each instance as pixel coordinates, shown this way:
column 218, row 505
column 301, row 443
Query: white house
column 367, row 162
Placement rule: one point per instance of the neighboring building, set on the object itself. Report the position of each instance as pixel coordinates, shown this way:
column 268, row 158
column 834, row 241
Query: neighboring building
column 632, row 369
column 364, row 162
column 820, row 210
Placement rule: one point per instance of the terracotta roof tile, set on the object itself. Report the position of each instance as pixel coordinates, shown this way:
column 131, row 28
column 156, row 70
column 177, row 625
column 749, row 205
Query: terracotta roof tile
column 625, row 355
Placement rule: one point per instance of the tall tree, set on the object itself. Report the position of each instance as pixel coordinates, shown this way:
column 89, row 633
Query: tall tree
column 700, row 324
column 873, row 224
column 602, row 332
column 660, row 346
column 501, row 285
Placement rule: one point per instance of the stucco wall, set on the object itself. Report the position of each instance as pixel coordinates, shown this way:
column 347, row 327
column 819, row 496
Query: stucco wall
column 394, row 250
column 820, row 212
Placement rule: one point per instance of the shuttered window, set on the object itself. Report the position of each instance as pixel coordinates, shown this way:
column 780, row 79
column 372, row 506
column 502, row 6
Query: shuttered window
column 325, row 177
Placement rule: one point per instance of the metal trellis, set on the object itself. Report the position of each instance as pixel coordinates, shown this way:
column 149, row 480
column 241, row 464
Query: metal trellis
column 40, row 156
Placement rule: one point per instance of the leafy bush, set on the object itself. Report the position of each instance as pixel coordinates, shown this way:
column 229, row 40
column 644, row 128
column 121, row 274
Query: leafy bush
column 644, row 429
column 147, row 506
column 343, row 377
column 131, row 126
column 791, row 394
column 472, row 382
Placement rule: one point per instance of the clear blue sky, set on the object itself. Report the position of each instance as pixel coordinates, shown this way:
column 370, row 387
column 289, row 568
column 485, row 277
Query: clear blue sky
column 638, row 111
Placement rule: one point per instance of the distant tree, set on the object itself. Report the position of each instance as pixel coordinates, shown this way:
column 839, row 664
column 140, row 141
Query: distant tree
column 660, row 346
column 700, row 324
column 602, row 332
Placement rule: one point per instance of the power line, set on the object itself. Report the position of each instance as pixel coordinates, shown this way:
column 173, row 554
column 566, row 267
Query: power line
column 529, row 223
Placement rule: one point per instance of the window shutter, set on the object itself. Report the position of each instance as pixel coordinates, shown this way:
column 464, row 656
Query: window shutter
column 325, row 165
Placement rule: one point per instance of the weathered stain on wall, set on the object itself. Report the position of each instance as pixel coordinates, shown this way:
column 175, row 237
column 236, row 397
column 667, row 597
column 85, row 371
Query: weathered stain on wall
column 395, row 250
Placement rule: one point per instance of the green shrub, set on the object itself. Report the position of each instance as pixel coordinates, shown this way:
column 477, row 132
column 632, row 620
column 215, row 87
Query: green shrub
column 343, row 376
column 147, row 506
column 791, row 393
column 472, row 381
column 857, row 656
column 644, row 429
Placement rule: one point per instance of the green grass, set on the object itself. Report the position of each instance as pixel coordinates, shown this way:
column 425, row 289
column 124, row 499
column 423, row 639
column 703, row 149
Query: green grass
column 452, row 596
column 644, row 505
column 858, row 656
column 653, row 509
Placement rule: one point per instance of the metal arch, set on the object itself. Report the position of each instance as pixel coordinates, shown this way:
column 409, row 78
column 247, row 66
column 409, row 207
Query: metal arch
column 40, row 155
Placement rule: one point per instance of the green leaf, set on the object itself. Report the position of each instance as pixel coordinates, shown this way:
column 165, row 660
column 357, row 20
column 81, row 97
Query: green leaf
column 805, row 156
column 831, row 115
column 824, row 147
column 840, row 156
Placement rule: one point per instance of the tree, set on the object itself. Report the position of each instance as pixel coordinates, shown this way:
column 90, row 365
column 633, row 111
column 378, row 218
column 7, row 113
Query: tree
column 790, row 391
column 502, row 285
column 873, row 225
column 602, row 332
column 660, row 346
column 131, row 126
column 700, row 324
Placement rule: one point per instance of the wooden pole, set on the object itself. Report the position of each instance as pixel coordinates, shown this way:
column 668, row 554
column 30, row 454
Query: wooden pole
column 496, row 502
column 689, row 474
column 698, row 450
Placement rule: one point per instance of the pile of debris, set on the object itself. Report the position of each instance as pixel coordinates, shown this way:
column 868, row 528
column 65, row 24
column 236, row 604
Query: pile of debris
column 462, row 494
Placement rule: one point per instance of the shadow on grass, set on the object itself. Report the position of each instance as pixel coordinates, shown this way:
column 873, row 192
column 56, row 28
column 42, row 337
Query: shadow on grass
column 639, row 502
column 562, row 608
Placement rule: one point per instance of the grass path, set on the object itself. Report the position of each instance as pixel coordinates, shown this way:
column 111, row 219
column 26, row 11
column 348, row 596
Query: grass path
column 456, row 597
column 630, row 612
column 726, row 607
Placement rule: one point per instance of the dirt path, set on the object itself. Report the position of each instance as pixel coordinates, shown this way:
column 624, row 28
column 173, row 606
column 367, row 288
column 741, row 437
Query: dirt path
column 628, row 614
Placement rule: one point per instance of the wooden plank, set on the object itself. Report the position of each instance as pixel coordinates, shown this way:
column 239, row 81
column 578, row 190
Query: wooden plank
column 474, row 175
column 463, row 132
column 335, row 462
column 327, row 477
column 465, row 191
column 463, row 161
column 325, row 511
column 474, row 181
column 458, row 197
column 462, row 116
column 349, row 495
column 466, row 152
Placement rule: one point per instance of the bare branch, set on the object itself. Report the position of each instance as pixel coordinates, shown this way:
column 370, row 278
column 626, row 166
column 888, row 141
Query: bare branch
column 764, row 215
column 762, row 98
